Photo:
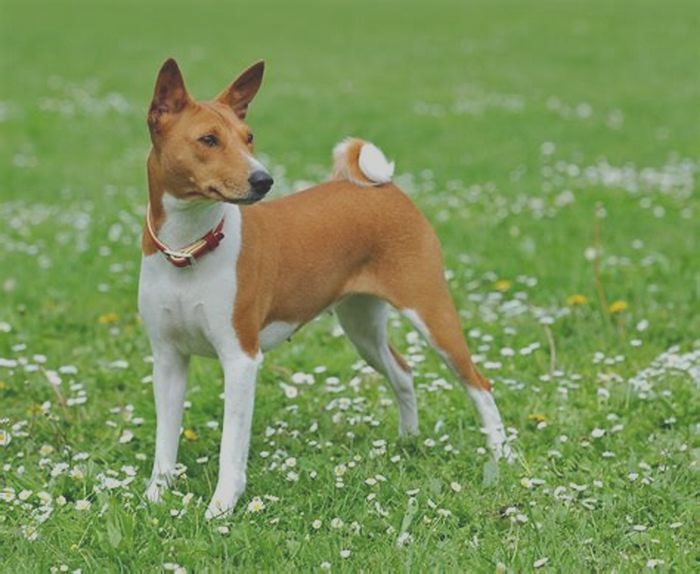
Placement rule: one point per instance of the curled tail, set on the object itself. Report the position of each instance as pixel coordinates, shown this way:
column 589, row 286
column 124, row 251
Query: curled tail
column 361, row 162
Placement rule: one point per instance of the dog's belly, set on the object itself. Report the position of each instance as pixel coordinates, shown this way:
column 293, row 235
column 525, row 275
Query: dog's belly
column 275, row 333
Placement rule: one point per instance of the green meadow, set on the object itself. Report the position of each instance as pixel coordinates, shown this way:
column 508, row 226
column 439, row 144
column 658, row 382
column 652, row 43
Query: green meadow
column 554, row 145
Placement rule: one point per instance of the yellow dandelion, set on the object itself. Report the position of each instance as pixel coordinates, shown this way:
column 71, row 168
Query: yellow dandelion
column 3, row 385
column 576, row 299
column 618, row 307
column 502, row 285
column 107, row 318
column 537, row 417
column 35, row 410
column 190, row 435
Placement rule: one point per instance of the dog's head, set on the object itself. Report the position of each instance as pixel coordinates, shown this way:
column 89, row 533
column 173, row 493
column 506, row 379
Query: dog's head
column 204, row 150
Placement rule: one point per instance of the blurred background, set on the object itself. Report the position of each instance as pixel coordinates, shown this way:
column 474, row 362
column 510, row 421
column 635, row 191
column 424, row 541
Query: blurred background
column 554, row 145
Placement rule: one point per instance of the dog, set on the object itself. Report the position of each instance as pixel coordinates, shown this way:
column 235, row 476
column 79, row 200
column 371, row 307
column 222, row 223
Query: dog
column 227, row 277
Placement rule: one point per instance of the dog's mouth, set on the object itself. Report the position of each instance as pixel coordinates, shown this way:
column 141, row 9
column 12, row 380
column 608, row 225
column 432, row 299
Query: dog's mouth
column 213, row 194
column 259, row 183
column 217, row 194
column 252, row 197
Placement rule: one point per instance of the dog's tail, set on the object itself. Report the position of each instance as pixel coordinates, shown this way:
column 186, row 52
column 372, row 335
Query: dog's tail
column 361, row 163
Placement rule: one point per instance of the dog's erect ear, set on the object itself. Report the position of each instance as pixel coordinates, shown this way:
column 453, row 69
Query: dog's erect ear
column 170, row 95
column 242, row 91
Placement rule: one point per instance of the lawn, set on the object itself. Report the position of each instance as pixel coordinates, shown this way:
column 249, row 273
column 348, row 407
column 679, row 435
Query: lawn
column 553, row 144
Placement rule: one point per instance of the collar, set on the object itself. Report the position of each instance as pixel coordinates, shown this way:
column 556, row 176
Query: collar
column 188, row 254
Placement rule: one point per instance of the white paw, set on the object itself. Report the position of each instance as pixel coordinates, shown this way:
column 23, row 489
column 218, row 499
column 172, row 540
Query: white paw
column 503, row 451
column 220, row 508
column 155, row 490
column 498, row 444
column 225, row 498
column 408, row 430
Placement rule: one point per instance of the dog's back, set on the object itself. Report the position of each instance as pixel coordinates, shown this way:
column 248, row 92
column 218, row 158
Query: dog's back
column 371, row 233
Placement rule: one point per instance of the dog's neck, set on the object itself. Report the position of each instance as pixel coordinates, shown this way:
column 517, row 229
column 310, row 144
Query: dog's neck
column 178, row 222
column 185, row 221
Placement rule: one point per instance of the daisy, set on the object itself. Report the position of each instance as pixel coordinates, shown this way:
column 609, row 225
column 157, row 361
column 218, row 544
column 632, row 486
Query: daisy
column 337, row 523
column 256, row 505
column 30, row 532
column 7, row 494
column 5, row 437
column 126, row 437
column 45, row 450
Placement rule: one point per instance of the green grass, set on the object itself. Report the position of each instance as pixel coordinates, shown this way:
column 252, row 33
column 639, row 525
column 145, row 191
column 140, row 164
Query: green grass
column 512, row 123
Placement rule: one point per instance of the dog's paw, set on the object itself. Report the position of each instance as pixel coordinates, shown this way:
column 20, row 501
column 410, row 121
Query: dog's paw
column 504, row 452
column 501, row 450
column 499, row 446
column 227, row 492
column 220, row 508
column 155, row 489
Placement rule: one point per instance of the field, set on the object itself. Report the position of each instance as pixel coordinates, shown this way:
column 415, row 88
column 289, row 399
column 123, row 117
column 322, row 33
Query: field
column 553, row 144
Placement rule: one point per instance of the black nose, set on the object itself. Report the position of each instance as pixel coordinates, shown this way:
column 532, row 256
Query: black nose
column 260, row 181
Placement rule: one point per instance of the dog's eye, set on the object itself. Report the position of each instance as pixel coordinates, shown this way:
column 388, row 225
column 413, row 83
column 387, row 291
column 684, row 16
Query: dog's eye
column 250, row 139
column 209, row 140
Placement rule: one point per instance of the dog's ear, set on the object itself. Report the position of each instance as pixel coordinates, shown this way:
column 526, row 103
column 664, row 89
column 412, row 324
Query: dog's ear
column 243, row 89
column 170, row 95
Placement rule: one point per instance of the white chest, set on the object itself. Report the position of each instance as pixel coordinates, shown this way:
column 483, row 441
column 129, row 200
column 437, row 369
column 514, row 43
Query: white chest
column 191, row 308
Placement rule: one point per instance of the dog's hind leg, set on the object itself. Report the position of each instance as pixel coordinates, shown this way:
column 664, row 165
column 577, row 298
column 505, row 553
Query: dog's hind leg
column 364, row 320
column 412, row 280
column 439, row 324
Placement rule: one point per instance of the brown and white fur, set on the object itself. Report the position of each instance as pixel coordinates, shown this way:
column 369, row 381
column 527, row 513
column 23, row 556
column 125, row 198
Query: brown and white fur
column 355, row 244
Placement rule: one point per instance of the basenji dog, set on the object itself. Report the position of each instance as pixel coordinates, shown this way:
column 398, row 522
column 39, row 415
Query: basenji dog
column 226, row 277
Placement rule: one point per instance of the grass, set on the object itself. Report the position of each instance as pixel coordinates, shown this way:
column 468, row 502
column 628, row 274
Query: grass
column 554, row 146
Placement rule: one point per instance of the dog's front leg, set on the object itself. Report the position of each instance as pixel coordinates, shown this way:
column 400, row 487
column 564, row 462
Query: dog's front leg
column 240, row 371
column 169, row 382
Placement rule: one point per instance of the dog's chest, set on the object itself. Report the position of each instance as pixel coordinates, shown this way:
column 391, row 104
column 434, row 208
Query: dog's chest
column 190, row 308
